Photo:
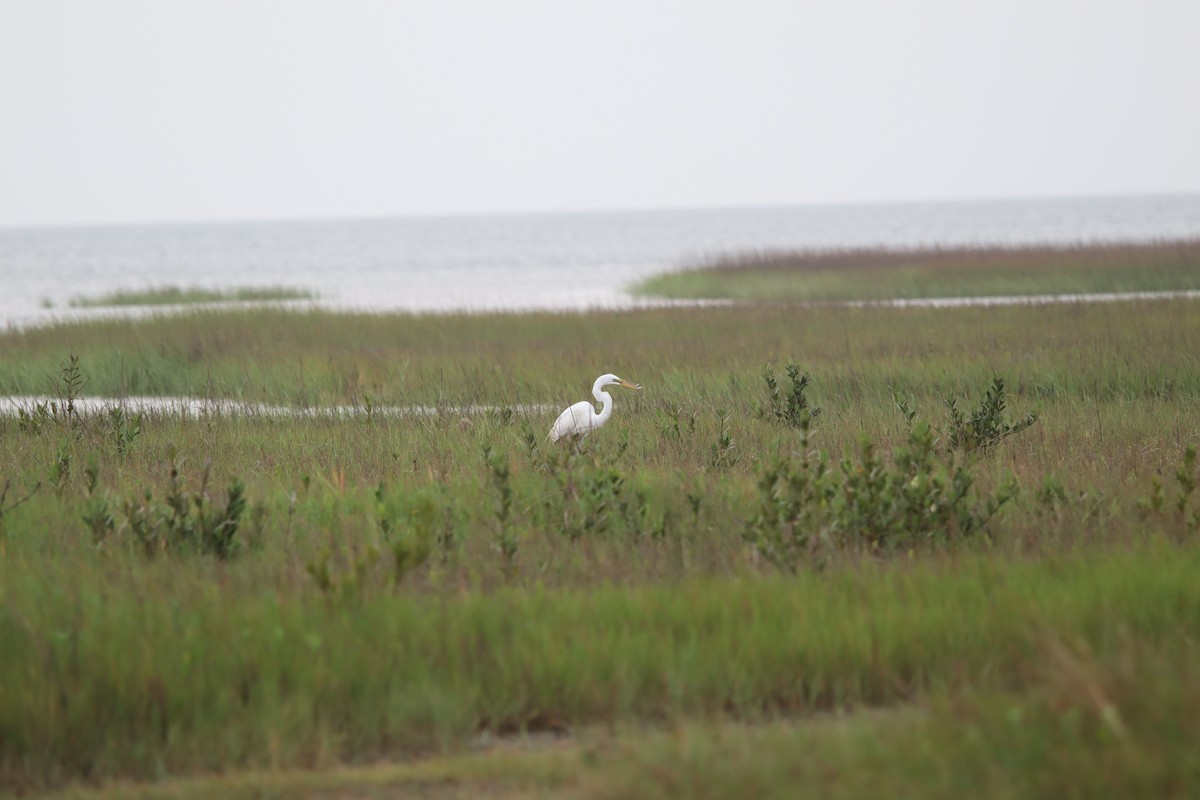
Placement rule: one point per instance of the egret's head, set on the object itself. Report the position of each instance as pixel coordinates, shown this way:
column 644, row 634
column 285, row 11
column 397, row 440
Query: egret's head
column 613, row 380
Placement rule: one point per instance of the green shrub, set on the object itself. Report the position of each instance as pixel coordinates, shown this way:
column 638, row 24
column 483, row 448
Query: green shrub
column 791, row 407
column 186, row 520
column 807, row 508
column 986, row 425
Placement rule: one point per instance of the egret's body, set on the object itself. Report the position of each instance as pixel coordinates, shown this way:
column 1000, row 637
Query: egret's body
column 581, row 419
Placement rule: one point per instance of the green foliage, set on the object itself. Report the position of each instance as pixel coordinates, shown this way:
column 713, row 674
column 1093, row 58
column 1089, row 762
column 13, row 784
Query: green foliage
column 71, row 383
column 91, row 474
column 723, row 450
column 529, row 439
column 904, row 405
column 986, row 425
column 1157, row 499
column 32, row 422
column 1185, row 478
column 413, row 543
column 678, row 422
column 187, row 520
column 100, row 520
column 62, row 413
column 349, row 580
column 806, row 508
column 788, row 406
column 411, row 530
column 796, row 495
column 502, row 416
column 501, row 474
column 123, row 429
column 590, row 499
column 1051, row 495
column 60, row 470
column 977, row 432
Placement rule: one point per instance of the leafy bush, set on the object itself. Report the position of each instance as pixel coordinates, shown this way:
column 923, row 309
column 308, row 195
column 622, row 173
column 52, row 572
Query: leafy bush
column 506, row 539
column 185, row 519
column 589, row 498
column 124, row 429
column 978, row 432
column 411, row 532
column 986, row 425
column 806, row 507
column 791, row 408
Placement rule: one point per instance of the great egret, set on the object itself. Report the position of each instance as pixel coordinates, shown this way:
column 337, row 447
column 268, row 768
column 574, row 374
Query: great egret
column 581, row 419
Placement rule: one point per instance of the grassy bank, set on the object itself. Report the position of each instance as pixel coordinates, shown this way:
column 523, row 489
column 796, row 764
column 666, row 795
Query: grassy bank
column 182, row 595
column 877, row 274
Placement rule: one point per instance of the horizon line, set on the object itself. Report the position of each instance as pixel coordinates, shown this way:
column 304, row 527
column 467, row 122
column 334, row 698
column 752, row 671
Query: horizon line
column 595, row 211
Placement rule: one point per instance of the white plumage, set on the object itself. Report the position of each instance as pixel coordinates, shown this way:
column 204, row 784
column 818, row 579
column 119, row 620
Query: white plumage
column 581, row 419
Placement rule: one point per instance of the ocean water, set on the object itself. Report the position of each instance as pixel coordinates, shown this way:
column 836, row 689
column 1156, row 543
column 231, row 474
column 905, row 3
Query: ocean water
column 553, row 261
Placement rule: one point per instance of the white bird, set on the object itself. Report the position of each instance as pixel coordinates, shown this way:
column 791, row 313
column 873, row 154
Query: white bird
column 581, row 419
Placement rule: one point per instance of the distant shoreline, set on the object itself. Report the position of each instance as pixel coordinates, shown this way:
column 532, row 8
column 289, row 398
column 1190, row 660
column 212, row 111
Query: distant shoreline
column 567, row 262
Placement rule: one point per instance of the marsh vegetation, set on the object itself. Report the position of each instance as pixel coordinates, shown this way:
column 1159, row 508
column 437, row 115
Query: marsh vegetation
column 870, row 274
column 850, row 548
column 180, row 295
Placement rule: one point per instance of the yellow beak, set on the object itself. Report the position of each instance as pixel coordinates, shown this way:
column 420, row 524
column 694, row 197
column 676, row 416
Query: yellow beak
column 635, row 386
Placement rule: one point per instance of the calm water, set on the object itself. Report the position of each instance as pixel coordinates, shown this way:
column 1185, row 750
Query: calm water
column 564, row 261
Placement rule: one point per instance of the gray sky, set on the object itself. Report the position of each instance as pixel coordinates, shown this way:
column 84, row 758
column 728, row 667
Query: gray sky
column 177, row 110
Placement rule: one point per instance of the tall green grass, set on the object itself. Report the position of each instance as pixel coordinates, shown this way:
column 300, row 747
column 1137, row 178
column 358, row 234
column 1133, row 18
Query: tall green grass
column 106, row 673
column 1116, row 722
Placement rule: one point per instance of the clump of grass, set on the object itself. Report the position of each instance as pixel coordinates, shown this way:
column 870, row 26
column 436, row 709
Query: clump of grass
column 176, row 295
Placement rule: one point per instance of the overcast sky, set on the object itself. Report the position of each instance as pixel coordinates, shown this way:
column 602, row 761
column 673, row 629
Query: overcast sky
column 177, row 110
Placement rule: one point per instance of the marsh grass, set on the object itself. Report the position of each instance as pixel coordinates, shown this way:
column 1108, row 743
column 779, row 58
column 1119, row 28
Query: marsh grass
column 885, row 274
column 178, row 295
column 1118, row 721
column 401, row 585
column 224, row 672
column 701, row 357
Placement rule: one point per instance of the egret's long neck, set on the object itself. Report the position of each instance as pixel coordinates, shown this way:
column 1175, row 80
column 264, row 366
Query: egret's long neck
column 606, row 404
